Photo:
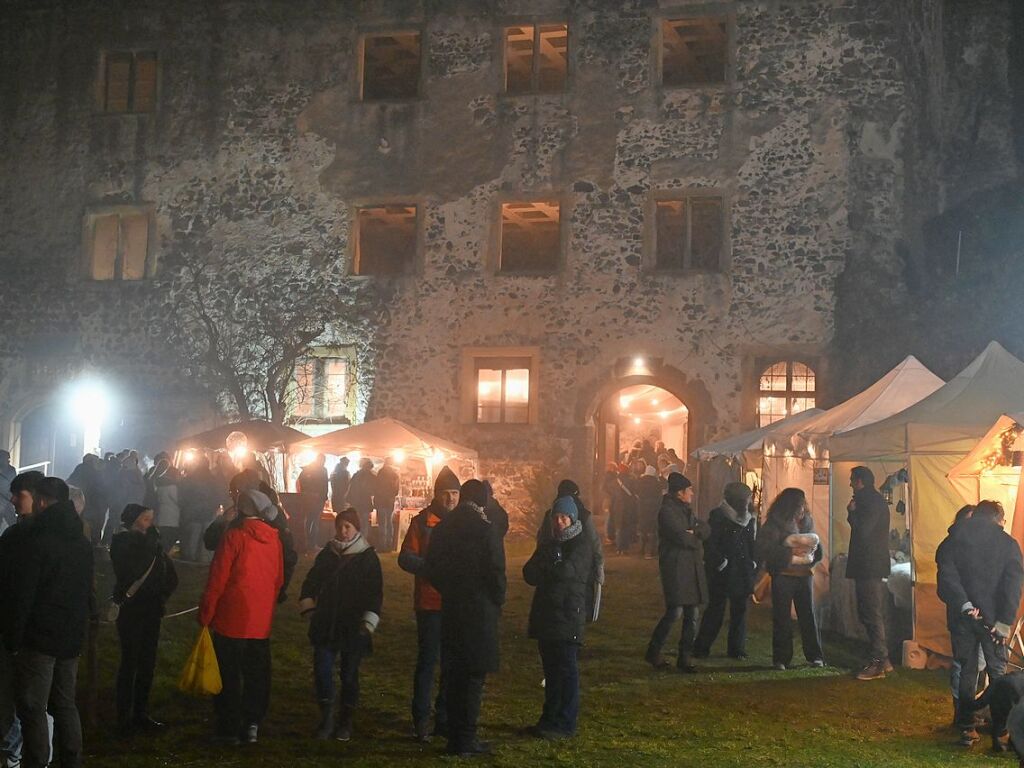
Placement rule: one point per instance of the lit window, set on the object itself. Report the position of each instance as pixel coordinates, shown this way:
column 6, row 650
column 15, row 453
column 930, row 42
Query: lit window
column 536, row 58
column 694, row 51
column 689, row 234
column 391, row 66
column 503, row 390
column 385, row 239
column 119, row 244
column 321, row 387
column 530, row 237
column 129, row 81
column 784, row 389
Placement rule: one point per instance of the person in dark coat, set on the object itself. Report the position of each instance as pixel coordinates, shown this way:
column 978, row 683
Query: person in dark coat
column 981, row 576
column 360, row 492
column 730, row 565
column 561, row 569
column 386, row 488
column 681, row 537
column 313, row 481
column 494, row 512
column 466, row 563
column 868, row 565
column 51, row 604
column 340, row 480
column 788, row 549
column 89, row 477
column 649, row 491
column 941, row 551
column 342, row 594
column 544, row 533
column 144, row 580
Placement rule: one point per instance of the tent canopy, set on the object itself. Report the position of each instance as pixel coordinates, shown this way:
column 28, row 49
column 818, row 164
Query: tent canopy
column 748, row 445
column 964, row 476
column 950, row 420
column 261, row 436
column 382, row 437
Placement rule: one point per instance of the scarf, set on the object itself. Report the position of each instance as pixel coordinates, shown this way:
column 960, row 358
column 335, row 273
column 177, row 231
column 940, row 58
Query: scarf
column 571, row 532
column 354, row 547
column 733, row 515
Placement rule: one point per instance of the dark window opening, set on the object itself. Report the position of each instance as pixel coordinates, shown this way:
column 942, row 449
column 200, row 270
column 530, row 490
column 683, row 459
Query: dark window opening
column 689, row 234
column 536, row 58
column 694, row 51
column 385, row 240
column 391, row 66
column 503, row 390
column 530, row 237
column 129, row 81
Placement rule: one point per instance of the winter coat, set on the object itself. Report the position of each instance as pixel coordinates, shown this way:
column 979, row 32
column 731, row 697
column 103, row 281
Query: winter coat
column 413, row 556
column 313, row 480
column 982, row 565
column 386, row 488
column 13, row 545
column 340, row 481
column 590, row 532
column 729, row 552
column 498, row 516
column 246, row 575
column 466, row 563
column 360, row 490
column 869, row 536
column 649, row 491
column 131, row 554
column 52, row 592
column 347, row 590
column 681, row 538
column 87, row 478
column 214, row 534
column 774, row 554
column 168, row 510
column 199, row 495
column 561, row 572
column 133, row 487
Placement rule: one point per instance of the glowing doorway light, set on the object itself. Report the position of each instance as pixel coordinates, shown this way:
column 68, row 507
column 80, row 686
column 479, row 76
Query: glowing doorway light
column 306, row 457
column 89, row 403
column 398, row 455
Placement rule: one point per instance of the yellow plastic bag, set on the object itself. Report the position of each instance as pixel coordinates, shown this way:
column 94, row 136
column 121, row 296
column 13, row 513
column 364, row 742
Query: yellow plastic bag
column 201, row 676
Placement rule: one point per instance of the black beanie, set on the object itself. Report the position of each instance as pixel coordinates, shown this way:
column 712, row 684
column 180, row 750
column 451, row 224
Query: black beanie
column 475, row 492
column 677, row 482
column 131, row 514
column 567, row 488
column 446, row 481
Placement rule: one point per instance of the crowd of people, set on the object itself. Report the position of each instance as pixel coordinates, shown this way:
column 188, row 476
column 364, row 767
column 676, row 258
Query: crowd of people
column 454, row 550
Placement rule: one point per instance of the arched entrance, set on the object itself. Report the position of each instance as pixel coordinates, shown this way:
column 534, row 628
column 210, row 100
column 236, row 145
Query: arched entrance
column 643, row 420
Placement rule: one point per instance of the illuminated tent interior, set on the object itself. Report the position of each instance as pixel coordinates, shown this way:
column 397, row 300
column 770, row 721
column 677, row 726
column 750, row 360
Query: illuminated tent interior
column 992, row 471
column 646, row 412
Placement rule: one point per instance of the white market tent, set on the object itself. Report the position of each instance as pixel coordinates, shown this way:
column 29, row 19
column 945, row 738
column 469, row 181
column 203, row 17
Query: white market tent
column 929, row 439
column 992, row 470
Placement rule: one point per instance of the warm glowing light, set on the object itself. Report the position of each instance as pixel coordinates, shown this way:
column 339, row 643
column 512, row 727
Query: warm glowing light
column 238, row 453
column 639, row 362
column 354, row 457
column 517, row 385
column 189, row 456
column 438, row 456
column 636, row 419
column 484, row 388
column 624, row 401
column 664, row 414
column 654, row 401
column 398, row 455
column 306, row 457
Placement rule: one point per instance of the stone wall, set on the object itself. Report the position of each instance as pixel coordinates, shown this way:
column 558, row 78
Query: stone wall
column 259, row 148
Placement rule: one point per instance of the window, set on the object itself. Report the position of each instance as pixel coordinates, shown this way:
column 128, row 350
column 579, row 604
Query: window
column 391, row 66
column 536, row 58
column 322, row 386
column 530, row 237
column 784, row 389
column 689, row 233
column 128, row 81
column 118, row 244
column 386, row 239
column 694, row 51
column 503, row 390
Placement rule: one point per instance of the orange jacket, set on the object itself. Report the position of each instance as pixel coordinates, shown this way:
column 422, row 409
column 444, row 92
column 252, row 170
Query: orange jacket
column 414, row 554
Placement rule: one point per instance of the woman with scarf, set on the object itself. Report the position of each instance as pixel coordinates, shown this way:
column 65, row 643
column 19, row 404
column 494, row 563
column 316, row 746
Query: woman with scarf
column 729, row 563
column 788, row 549
column 144, row 579
column 561, row 569
column 342, row 595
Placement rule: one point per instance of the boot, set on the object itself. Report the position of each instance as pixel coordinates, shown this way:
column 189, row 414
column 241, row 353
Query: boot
column 323, row 730
column 654, row 658
column 344, row 730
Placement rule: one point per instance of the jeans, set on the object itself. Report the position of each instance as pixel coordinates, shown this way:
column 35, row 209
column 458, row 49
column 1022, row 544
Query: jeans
column 44, row 683
column 138, row 630
column 465, row 692
column 872, row 595
column 789, row 591
column 245, row 675
column 968, row 637
column 313, row 526
column 429, row 653
column 10, row 726
column 385, row 523
column 688, row 613
column 714, row 615
column 348, row 673
column 560, row 659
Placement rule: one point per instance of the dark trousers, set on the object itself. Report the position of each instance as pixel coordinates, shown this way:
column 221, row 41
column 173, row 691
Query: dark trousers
column 46, row 684
column 10, row 726
column 789, row 591
column 688, row 613
column 429, row 653
column 245, row 674
column 313, row 526
column 465, row 692
column 385, row 523
column 560, row 659
column 348, row 674
column 714, row 615
column 968, row 636
column 872, row 596
column 138, row 630
column 169, row 537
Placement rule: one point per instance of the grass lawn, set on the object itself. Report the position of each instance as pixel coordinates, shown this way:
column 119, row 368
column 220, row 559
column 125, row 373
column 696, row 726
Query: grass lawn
column 731, row 714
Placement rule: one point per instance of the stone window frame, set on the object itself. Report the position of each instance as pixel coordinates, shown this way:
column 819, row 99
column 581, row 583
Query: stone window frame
column 649, row 259
column 468, row 384
column 534, row 21
column 727, row 12
column 416, row 267
column 564, row 235
column 380, row 31
column 762, row 362
column 319, row 355
column 100, row 86
column 120, row 209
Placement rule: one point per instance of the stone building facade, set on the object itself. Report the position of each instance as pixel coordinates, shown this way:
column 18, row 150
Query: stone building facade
column 252, row 133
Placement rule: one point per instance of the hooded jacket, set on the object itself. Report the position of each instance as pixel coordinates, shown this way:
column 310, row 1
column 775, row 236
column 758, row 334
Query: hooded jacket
column 52, row 588
column 245, row 578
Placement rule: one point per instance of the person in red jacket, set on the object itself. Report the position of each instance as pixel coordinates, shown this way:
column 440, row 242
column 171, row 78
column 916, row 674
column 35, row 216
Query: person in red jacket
column 238, row 606
column 427, row 602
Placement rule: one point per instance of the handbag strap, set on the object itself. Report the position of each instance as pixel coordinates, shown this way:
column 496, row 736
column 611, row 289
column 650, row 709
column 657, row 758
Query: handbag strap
column 137, row 585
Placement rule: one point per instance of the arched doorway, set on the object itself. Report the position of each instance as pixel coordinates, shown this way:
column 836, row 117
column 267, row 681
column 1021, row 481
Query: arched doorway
column 645, row 420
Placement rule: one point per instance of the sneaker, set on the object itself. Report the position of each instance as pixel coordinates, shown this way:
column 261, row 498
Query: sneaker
column 780, row 667
column 252, row 734
column 873, row 670
column 968, row 737
column 655, row 659
column 818, row 663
